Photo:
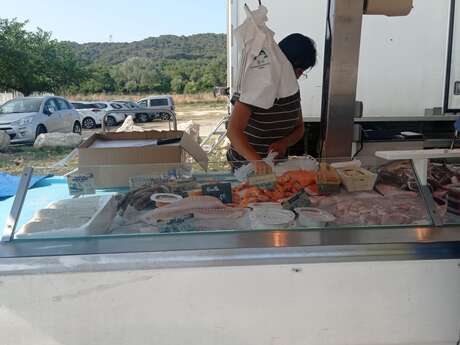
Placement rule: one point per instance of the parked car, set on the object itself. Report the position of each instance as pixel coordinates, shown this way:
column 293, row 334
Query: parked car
column 138, row 117
column 91, row 114
column 129, row 104
column 112, row 119
column 158, row 102
column 24, row 119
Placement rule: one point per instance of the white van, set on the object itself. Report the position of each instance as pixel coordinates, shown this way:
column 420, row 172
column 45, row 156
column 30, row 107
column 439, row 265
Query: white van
column 158, row 102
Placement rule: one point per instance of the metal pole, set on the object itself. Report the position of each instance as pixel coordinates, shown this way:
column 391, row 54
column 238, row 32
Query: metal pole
column 12, row 220
column 344, row 24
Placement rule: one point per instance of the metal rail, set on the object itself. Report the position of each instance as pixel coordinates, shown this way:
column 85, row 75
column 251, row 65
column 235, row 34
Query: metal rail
column 219, row 130
column 242, row 248
column 134, row 112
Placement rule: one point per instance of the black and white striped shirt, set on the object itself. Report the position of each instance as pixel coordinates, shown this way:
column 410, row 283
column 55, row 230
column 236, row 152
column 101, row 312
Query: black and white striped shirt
column 267, row 126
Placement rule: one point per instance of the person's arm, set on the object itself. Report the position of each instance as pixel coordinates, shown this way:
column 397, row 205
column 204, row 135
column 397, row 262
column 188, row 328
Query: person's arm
column 297, row 134
column 235, row 132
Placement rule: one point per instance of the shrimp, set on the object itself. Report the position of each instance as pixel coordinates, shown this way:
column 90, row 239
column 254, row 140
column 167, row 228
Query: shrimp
column 303, row 177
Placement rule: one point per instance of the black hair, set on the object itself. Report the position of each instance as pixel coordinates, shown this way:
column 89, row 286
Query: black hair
column 300, row 50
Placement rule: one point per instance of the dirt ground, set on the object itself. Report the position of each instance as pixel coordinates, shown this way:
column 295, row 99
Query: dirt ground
column 20, row 156
column 205, row 115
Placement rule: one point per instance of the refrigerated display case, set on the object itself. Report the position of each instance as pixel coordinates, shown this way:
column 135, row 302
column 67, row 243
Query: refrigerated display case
column 374, row 255
column 186, row 204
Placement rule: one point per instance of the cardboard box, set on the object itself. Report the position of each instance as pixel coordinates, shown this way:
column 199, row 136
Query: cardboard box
column 115, row 157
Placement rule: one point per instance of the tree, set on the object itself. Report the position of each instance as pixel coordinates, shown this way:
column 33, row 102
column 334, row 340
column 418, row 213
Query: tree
column 177, row 85
column 32, row 61
column 99, row 80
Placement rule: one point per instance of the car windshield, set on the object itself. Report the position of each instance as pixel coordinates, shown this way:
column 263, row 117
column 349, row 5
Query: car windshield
column 23, row 105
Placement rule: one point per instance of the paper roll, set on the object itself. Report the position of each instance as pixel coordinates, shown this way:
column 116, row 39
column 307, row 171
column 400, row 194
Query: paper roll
column 390, row 8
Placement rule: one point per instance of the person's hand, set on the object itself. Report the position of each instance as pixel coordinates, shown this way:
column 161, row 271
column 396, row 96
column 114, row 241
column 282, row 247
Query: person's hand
column 262, row 168
column 280, row 147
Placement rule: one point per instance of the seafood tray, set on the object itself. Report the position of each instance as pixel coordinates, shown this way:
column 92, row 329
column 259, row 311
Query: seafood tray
column 357, row 179
column 72, row 217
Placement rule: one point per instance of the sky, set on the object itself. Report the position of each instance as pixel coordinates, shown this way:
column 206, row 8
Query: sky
column 119, row 20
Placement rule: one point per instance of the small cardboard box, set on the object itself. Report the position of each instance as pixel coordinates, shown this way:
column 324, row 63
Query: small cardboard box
column 115, row 157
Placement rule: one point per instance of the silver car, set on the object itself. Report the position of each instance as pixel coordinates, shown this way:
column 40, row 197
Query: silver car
column 24, row 119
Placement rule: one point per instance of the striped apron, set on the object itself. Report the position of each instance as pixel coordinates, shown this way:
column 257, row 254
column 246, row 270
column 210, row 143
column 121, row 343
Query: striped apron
column 267, row 126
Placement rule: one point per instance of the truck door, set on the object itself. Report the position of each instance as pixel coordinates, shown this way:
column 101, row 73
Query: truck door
column 452, row 93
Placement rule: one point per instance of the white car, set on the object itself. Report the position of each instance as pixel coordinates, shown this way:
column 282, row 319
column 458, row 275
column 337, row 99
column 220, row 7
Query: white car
column 24, row 119
column 138, row 116
column 129, row 104
column 90, row 113
column 112, row 119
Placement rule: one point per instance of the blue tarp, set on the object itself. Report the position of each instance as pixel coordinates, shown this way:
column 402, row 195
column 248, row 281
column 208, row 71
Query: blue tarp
column 9, row 184
column 52, row 189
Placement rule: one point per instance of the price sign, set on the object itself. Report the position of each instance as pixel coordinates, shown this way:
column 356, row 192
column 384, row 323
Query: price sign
column 81, row 184
column 222, row 191
column 301, row 199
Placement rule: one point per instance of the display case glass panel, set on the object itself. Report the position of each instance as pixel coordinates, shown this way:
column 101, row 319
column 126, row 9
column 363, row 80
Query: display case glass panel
column 299, row 194
column 443, row 181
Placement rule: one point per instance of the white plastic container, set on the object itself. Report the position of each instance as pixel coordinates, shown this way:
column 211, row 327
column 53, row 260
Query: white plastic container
column 164, row 199
column 313, row 217
column 265, row 205
column 88, row 216
column 272, row 218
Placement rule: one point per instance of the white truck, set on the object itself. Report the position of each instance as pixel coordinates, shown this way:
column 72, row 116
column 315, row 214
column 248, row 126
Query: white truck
column 409, row 66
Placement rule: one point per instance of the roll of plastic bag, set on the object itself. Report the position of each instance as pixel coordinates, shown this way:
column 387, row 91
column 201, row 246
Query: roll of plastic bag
column 391, row 8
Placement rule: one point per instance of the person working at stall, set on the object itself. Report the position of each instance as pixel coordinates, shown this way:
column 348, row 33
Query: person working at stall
column 254, row 132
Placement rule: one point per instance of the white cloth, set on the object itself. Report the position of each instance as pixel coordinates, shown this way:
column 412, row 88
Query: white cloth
column 265, row 73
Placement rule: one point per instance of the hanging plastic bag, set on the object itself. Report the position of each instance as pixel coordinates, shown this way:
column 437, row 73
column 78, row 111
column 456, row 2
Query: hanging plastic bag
column 249, row 169
column 265, row 73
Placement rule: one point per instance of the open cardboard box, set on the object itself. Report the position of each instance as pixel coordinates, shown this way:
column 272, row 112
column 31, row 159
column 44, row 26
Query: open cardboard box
column 115, row 157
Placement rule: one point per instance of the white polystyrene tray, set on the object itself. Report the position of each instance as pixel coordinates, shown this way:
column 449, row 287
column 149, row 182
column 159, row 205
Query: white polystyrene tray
column 98, row 224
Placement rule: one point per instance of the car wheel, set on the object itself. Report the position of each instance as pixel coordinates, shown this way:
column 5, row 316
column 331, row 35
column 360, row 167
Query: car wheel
column 165, row 116
column 76, row 128
column 88, row 123
column 40, row 130
column 142, row 118
column 110, row 121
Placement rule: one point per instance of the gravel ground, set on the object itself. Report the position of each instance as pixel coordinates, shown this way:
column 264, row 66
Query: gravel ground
column 205, row 115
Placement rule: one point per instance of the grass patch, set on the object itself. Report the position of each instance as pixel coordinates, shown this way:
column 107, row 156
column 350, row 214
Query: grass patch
column 16, row 158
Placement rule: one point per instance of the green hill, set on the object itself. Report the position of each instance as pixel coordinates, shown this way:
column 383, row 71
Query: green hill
column 178, row 64
column 192, row 47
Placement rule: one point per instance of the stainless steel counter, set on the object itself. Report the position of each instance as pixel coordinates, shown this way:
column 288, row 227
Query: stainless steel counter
column 229, row 249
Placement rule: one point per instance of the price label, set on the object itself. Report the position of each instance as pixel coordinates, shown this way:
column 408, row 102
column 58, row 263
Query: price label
column 222, row 191
column 301, row 199
column 81, row 184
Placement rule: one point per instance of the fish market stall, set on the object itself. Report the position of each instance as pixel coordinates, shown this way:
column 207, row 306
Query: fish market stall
column 238, row 249
column 150, row 243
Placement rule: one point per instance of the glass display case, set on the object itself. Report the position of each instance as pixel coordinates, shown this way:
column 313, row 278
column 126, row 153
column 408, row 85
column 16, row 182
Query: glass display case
column 299, row 194
column 300, row 202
